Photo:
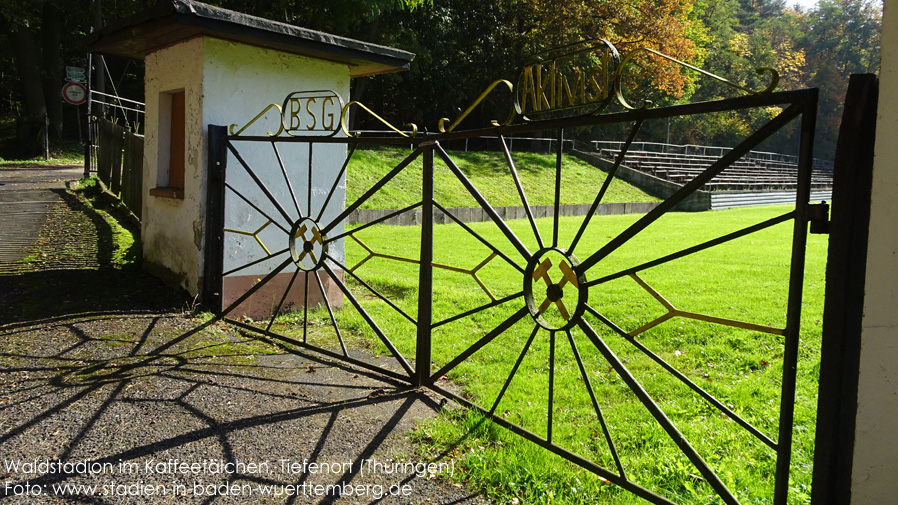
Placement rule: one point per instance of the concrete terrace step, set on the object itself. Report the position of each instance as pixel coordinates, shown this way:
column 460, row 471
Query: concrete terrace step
column 477, row 214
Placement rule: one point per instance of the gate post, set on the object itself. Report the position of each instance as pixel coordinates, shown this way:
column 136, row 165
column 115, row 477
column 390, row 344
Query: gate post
column 213, row 259
column 425, row 275
column 89, row 145
column 792, row 331
column 843, row 308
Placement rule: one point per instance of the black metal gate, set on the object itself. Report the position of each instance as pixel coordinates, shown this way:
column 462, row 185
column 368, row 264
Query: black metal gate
column 555, row 313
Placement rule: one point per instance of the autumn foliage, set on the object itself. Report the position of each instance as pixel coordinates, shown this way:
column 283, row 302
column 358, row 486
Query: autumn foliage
column 462, row 46
column 663, row 25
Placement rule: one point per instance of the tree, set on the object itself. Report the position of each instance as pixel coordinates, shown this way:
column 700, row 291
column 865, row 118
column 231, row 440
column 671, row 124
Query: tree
column 742, row 36
column 463, row 46
column 664, row 26
column 843, row 39
column 36, row 53
column 40, row 37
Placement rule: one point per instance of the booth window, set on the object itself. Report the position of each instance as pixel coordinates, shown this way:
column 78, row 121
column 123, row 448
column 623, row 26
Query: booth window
column 172, row 122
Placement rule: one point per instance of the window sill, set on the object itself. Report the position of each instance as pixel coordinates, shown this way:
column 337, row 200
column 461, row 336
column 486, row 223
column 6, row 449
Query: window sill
column 173, row 193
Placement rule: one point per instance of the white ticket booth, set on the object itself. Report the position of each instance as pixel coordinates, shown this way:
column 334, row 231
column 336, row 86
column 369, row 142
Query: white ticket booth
column 210, row 66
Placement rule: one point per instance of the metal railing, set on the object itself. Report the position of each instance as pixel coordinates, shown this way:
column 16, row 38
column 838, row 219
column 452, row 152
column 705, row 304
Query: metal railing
column 119, row 165
column 105, row 108
column 706, row 152
column 130, row 113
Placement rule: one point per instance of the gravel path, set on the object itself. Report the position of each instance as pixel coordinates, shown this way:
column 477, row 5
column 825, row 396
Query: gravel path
column 111, row 393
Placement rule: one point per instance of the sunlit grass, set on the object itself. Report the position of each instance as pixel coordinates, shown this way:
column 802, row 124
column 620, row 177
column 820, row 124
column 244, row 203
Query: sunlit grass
column 490, row 174
column 744, row 280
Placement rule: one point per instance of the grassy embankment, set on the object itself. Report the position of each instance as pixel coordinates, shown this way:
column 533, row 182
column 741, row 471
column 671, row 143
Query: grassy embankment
column 489, row 173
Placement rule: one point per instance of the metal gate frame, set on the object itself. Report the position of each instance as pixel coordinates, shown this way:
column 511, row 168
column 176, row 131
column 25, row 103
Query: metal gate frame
column 800, row 104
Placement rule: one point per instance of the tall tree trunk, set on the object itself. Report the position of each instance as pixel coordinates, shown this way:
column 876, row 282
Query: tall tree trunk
column 98, row 82
column 51, row 30
column 28, row 66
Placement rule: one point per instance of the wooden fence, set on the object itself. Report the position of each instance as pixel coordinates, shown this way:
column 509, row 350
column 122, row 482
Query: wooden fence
column 120, row 163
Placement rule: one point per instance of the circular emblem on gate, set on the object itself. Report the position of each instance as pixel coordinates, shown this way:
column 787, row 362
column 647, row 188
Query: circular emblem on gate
column 307, row 246
column 554, row 293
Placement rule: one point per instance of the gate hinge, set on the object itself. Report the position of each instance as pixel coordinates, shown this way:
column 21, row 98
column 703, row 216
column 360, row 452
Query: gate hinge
column 818, row 215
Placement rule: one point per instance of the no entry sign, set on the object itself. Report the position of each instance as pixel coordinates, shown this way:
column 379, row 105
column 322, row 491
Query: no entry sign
column 75, row 93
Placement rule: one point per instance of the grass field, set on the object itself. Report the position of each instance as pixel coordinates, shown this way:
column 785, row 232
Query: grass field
column 489, row 173
column 745, row 280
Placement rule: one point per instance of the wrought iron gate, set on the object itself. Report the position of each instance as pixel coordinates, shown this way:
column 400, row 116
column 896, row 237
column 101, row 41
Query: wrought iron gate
column 552, row 305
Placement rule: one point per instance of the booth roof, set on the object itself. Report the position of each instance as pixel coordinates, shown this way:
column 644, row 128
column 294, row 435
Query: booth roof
column 171, row 21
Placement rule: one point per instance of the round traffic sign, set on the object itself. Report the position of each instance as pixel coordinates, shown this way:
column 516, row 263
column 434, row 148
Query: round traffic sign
column 75, row 93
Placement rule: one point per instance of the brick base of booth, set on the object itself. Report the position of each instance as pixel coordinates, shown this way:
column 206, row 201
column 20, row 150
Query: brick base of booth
column 264, row 302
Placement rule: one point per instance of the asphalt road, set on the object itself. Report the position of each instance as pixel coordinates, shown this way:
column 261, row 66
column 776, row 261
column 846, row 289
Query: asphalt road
column 26, row 195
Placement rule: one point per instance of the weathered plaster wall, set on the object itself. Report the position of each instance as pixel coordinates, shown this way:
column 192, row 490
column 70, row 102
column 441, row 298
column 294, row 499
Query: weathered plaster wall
column 876, row 444
column 168, row 234
column 239, row 82
column 230, row 83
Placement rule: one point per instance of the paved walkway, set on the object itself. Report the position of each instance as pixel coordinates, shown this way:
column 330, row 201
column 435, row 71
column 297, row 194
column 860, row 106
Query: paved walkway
column 26, row 196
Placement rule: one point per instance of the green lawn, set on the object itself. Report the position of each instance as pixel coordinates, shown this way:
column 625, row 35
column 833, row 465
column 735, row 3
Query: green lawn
column 745, row 280
column 489, row 173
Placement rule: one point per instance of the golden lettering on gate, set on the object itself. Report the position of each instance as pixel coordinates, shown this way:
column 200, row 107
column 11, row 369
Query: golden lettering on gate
column 312, row 112
column 295, row 109
column 545, row 88
column 550, row 79
column 330, row 115
column 577, row 76
column 315, row 113
column 309, row 103
column 601, row 92
column 528, row 90
column 564, row 89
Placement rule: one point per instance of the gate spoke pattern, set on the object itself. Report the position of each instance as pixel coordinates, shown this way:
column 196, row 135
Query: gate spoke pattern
column 560, row 303
column 310, row 264
column 566, row 274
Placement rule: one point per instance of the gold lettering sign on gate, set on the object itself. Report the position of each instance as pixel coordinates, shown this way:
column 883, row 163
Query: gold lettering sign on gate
column 575, row 79
column 315, row 113
column 579, row 79
column 572, row 78
column 305, row 112
column 258, row 116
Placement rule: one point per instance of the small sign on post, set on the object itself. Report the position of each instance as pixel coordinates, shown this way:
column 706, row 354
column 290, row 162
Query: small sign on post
column 74, row 92
column 75, row 74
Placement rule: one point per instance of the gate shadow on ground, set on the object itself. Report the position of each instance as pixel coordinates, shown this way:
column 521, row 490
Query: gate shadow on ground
column 123, row 391
column 104, row 367
column 57, row 295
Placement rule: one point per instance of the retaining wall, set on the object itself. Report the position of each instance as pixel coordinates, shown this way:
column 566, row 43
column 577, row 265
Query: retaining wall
column 477, row 214
column 728, row 199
